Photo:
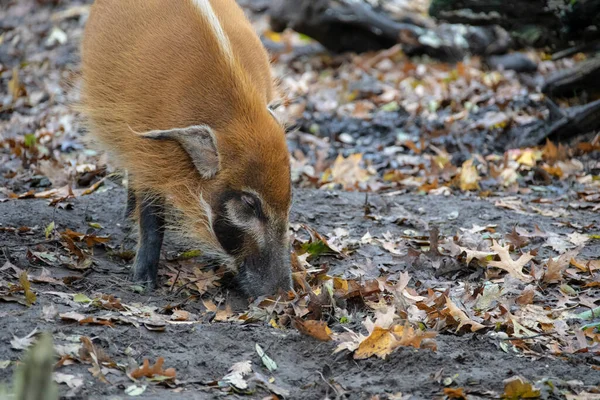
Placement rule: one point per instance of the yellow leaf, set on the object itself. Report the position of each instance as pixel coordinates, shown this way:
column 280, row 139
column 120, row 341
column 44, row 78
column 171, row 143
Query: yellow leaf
column 517, row 388
column 380, row 343
column 273, row 36
column 469, row 177
column 529, row 157
column 14, row 85
column 30, row 297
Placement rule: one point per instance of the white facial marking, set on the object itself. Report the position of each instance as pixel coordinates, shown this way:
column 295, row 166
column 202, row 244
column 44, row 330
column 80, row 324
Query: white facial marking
column 250, row 225
column 207, row 12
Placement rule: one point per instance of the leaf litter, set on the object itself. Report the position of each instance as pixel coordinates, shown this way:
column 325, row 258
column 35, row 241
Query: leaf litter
column 528, row 286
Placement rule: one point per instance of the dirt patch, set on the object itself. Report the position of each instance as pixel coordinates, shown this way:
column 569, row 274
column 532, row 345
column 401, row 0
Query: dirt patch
column 204, row 352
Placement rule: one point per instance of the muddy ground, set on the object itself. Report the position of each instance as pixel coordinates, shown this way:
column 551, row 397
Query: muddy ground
column 403, row 117
column 203, row 352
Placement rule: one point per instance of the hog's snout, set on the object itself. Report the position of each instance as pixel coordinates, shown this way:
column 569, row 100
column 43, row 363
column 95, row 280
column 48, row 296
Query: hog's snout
column 265, row 275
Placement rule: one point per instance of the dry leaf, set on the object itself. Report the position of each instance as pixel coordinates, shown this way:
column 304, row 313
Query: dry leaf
column 455, row 393
column 317, row 329
column 514, row 268
column 18, row 343
column 469, row 177
column 380, row 342
column 30, row 297
column 346, row 171
column 462, row 317
column 517, row 388
column 150, row 372
column 180, row 315
column 555, row 268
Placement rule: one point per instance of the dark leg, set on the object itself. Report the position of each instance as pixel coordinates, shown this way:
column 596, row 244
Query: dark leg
column 131, row 201
column 152, row 230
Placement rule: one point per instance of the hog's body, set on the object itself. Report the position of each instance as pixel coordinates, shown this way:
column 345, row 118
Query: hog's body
column 177, row 92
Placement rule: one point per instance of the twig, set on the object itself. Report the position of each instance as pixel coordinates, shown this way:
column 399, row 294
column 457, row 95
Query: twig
column 50, row 241
column 175, row 280
column 529, row 337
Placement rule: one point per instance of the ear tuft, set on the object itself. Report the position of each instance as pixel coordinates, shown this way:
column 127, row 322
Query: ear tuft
column 198, row 141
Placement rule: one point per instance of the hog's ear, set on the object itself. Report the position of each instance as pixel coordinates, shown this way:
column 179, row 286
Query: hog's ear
column 198, row 141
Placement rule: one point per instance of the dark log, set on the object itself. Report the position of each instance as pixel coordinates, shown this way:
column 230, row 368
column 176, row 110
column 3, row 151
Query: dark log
column 344, row 25
column 531, row 22
column 514, row 61
column 570, row 122
column 585, row 76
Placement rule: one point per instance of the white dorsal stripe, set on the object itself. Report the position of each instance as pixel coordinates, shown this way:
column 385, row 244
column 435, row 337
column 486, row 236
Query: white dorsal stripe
column 208, row 13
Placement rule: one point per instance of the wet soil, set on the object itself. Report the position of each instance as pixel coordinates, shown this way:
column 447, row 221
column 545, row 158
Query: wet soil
column 204, row 352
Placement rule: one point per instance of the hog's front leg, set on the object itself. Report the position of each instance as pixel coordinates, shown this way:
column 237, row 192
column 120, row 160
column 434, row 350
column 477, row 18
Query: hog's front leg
column 151, row 232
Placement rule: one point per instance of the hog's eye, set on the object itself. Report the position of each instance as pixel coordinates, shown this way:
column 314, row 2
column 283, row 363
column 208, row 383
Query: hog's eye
column 252, row 203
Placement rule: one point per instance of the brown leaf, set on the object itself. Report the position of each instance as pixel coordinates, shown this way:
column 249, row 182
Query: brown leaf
column 555, row 268
column 516, row 240
column 455, row 393
column 409, row 336
column 526, row 296
column 72, row 247
column 151, row 371
column 180, row 315
column 462, row 317
column 96, row 356
column 317, row 329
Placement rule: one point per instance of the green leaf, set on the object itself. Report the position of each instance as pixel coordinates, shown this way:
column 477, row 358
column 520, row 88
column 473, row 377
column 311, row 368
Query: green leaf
column 589, row 314
column 316, row 248
column 4, row 364
column 30, row 140
column 49, row 229
column 266, row 360
column 95, row 225
column 81, row 298
column 391, row 106
column 189, row 254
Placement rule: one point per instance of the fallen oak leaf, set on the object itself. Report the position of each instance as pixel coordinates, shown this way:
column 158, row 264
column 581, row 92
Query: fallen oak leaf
column 516, row 388
column 380, row 342
column 514, row 268
column 476, row 254
column 316, row 329
column 236, row 375
column 23, row 343
column 455, row 393
column 555, row 268
column 517, row 240
column 150, row 372
column 72, row 381
column 578, row 239
column 462, row 318
column 417, row 338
